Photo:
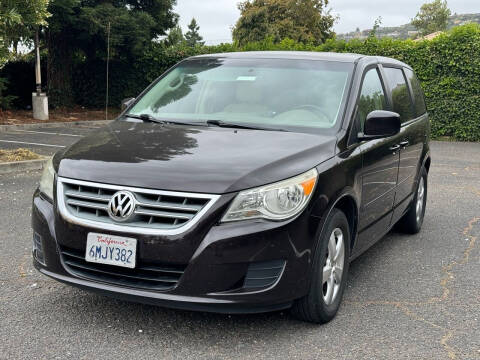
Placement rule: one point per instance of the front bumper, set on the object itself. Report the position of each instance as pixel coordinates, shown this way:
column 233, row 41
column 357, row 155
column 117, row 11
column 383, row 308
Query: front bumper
column 217, row 259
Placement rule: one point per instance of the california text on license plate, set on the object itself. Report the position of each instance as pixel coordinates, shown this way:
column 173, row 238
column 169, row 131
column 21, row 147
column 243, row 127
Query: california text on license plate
column 111, row 250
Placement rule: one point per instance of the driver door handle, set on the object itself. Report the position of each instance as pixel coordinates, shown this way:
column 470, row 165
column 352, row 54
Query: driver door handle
column 395, row 148
column 404, row 144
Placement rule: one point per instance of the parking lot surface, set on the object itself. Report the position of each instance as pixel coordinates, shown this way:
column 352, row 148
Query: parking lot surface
column 408, row 297
column 44, row 141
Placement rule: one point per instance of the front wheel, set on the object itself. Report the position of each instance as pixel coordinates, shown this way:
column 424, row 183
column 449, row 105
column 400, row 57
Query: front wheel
column 412, row 221
column 330, row 269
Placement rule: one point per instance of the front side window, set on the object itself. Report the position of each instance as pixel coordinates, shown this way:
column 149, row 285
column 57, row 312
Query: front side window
column 417, row 91
column 277, row 93
column 372, row 97
column 402, row 102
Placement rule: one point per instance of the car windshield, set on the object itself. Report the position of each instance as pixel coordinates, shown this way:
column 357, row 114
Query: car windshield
column 274, row 93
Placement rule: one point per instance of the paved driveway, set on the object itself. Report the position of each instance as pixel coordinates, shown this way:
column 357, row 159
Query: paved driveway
column 408, row 297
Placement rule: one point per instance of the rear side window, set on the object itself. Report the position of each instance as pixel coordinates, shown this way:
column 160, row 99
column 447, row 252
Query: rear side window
column 402, row 102
column 417, row 91
column 372, row 97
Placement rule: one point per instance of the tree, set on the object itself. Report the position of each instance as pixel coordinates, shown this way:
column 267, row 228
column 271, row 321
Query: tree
column 305, row 21
column 175, row 36
column 432, row 17
column 193, row 36
column 376, row 26
column 18, row 19
column 78, row 32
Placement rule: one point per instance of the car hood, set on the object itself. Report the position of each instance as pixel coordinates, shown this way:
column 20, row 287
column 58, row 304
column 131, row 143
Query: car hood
column 191, row 158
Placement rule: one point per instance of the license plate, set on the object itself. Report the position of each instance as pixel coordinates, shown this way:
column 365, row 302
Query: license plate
column 111, row 250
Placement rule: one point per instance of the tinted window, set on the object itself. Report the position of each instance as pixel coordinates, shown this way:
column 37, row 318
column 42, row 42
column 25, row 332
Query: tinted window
column 372, row 97
column 417, row 91
column 293, row 95
column 402, row 103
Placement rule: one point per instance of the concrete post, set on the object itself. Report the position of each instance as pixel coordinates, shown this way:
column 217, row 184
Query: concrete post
column 39, row 99
column 40, row 106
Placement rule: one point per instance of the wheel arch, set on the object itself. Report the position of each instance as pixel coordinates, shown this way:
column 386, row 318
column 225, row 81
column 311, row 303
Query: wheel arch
column 347, row 202
column 427, row 162
column 349, row 207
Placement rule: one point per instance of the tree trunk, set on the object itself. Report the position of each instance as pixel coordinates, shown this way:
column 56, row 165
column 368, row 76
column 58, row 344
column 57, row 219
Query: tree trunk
column 59, row 70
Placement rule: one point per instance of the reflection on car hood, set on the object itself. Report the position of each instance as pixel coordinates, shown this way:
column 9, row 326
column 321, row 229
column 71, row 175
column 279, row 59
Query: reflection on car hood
column 191, row 158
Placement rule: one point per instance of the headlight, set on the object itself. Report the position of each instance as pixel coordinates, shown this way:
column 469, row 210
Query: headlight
column 277, row 201
column 48, row 176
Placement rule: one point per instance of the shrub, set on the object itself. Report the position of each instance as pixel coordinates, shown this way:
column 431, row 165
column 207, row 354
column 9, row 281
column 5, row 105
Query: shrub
column 447, row 66
column 5, row 100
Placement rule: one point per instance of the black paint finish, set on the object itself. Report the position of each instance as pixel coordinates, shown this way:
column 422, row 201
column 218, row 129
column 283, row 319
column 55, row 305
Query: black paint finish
column 370, row 180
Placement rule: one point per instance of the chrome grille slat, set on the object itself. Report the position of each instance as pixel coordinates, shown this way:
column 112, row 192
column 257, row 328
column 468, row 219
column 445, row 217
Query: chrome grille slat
column 170, row 206
column 78, row 195
column 157, row 212
column 164, row 214
column 85, row 204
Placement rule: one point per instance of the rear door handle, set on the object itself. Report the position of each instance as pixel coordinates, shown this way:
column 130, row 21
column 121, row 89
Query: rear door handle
column 404, row 144
column 395, row 148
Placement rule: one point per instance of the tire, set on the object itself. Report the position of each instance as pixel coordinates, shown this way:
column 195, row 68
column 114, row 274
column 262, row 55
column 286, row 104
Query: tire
column 412, row 221
column 321, row 303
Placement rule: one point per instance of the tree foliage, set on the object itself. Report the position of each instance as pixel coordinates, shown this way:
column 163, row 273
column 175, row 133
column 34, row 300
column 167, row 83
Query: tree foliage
column 447, row 66
column 18, row 18
column 78, row 30
column 305, row 21
column 432, row 17
column 175, row 36
column 192, row 36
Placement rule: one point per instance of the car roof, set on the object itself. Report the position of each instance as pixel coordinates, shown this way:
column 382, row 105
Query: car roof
column 303, row 55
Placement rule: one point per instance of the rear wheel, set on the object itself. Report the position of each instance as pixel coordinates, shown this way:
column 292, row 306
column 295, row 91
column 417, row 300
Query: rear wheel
column 412, row 221
column 331, row 263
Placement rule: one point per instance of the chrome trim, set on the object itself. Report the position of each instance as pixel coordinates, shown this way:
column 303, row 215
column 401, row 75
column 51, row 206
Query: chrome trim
column 102, row 198
column 71, row 218
column 165, row 214
column 86, row 204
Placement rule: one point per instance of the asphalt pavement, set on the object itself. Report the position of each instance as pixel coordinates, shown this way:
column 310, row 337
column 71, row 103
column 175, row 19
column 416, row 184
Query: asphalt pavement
column 45, row 141
column 408, row 297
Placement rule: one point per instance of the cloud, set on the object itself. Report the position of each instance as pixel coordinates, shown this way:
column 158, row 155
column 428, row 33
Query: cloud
column 216, row 17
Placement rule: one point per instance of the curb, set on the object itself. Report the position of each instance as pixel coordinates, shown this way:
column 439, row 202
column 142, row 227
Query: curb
column 5, row 128
column 10, row 167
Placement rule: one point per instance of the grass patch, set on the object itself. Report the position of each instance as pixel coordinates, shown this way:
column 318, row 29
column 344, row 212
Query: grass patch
column 18, row 155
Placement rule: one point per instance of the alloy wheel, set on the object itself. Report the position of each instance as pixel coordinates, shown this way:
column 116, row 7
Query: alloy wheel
column 333, row 267
column 420, row 199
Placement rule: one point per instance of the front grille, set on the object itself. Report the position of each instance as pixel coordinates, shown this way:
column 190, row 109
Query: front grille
column 155, row 210
column 144, row 275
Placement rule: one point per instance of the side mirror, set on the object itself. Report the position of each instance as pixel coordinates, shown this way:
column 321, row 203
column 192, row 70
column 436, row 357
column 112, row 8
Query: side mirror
column 127, row 102
column 380, row 124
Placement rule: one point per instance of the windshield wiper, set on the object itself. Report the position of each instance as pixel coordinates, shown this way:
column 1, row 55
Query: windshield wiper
column 145, row 117
column 225, row 124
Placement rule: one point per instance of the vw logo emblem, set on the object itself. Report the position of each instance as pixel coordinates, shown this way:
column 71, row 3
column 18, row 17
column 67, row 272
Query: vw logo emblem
column 121, row 206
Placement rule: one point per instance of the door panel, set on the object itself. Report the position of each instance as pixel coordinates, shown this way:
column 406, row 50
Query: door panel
column 380, row 167
column 379, row 179
column 412, row 136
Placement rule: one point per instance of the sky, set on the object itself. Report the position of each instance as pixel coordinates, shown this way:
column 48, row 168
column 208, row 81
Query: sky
column 216, row 17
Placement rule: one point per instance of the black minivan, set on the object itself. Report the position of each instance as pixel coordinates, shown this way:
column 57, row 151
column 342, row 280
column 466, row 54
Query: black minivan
column 240, row 183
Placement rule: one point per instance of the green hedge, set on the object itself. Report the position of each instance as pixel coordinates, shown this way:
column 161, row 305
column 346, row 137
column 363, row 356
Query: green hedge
column 447, row 66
